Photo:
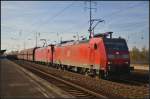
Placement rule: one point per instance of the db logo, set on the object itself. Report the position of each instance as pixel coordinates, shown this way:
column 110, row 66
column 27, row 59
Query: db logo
column 117, row 52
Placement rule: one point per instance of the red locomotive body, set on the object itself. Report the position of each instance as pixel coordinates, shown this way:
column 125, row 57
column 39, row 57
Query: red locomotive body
column 43, row 55
column 82, row 54
column 97, row 56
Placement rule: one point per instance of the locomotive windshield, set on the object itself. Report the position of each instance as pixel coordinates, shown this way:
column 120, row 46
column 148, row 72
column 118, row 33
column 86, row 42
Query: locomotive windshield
column 115, row 44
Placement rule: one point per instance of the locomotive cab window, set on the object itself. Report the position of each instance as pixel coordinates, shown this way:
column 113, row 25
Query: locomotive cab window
column 116, row 45
column 95, row 46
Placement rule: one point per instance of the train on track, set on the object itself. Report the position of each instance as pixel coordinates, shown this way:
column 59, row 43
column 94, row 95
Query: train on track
column 100, row 56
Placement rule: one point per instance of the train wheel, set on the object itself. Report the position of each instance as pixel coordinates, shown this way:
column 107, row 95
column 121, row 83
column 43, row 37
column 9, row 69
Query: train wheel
column 57, row 66
column 63, row 67
column 106, row 75
column 85, row 71
column 103, row 74
column 78, row 70
column 86, row 74
column 92, row 72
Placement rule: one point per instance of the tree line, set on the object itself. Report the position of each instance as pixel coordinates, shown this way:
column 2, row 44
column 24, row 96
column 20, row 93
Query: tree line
column 139, row 56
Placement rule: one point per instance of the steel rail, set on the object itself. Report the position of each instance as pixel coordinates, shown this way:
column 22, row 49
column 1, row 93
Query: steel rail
column 66, row 82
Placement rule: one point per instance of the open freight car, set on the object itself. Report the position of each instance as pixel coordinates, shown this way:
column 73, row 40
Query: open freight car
column 27, row 54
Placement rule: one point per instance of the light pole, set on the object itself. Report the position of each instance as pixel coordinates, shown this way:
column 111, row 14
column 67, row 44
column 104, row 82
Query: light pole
column 36, row 38
column 45, row 42
column 25, row 42
column 13, row 46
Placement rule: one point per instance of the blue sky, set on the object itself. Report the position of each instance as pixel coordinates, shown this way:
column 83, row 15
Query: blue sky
column 20, row 20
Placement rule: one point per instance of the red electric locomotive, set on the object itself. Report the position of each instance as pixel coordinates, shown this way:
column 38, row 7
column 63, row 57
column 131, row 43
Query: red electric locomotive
column 99, row 56
column 43, row 55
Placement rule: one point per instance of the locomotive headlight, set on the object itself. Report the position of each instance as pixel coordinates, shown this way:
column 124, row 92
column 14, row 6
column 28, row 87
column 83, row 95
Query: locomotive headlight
column 126, row 62
column 110, row 56
column 125, row 56
column 109, row 62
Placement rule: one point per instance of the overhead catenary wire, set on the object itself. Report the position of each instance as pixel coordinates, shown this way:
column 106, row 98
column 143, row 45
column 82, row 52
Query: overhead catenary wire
column 55, row 16
column 121, row 10
column 113, row 13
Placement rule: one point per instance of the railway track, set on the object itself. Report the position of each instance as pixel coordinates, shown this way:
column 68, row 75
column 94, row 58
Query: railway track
column 132, row 79
column 135, row 78
column 90, row 85
column 129, row 82
column 71, row 88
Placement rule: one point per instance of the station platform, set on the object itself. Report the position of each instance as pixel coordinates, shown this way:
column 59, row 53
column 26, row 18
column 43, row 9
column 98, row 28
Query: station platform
column 16, row 82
